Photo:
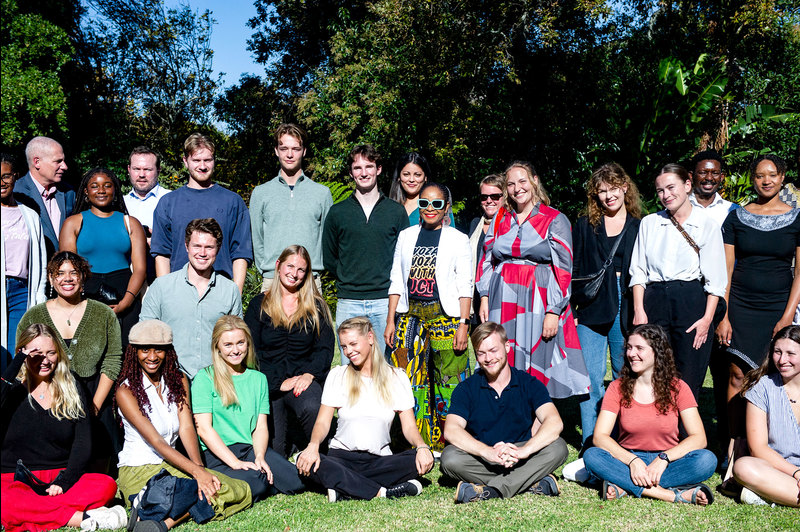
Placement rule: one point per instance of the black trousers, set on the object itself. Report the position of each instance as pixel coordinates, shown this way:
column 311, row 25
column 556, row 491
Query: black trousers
column 304, row 408
column 676, row 305
column 284, row 474
column 361, row 475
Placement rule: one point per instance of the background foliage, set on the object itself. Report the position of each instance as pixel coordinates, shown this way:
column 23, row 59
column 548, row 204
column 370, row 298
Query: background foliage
column 568, row 84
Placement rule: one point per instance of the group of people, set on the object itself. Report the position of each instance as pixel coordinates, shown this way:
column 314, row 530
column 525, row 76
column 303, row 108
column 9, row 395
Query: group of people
column 123, row 329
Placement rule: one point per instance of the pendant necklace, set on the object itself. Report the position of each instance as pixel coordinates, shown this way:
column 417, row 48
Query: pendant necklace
column 69, row 316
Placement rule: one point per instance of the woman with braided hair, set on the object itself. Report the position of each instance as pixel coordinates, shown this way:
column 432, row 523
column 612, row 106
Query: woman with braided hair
column 152, row 397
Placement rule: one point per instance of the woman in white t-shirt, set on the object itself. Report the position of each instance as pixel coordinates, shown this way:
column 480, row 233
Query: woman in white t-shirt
column 366, row 393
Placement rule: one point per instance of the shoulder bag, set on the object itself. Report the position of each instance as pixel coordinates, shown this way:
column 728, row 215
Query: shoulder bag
column 585, row 289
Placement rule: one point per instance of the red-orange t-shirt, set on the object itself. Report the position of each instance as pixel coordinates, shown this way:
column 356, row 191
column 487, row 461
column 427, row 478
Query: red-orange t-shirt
column 642, row 427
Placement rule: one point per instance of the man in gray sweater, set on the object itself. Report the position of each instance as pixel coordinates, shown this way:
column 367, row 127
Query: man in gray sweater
column 289, row 209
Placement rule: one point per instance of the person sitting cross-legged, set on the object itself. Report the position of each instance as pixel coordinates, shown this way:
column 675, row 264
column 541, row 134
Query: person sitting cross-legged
column 648, row 400
column 502, row 426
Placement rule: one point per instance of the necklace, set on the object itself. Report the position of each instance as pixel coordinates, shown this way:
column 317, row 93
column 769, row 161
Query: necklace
column 69, row 316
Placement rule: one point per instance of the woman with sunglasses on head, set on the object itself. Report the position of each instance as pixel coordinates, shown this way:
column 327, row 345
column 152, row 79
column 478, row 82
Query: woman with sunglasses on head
column 23, row 260
column 46, row 443
column 113, row 242
column 429, row 301
column 612, row 214
column 410, row 174
column 524, row 283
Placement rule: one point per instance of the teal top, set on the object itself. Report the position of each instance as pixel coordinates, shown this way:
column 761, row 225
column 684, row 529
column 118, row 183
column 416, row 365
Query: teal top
column 104, row 242
column 234, row 423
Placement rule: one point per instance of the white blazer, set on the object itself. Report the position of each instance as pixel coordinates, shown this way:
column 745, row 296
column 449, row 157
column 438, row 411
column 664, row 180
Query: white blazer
column 454, row 268
column 37, row 268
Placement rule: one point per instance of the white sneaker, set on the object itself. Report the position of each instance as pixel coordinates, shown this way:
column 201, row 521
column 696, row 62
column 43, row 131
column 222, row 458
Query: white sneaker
column 109, row 518
column 751, row 497
column 88, row 524
column 576, row 471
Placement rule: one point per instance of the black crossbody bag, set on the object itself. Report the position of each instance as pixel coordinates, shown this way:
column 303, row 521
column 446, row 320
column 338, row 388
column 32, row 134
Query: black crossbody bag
column 585, row 289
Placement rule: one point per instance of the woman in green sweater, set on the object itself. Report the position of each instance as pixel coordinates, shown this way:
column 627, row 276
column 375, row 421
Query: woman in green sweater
column 89, row 333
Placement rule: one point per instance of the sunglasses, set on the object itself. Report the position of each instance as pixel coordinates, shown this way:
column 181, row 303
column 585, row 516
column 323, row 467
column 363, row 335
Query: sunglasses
column 437, row 204
column 494, row 197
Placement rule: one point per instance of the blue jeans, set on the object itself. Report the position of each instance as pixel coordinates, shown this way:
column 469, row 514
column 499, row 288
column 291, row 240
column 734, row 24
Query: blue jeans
column 16, row 301
column 594, row 346
column 693, row 468
column 376, row 310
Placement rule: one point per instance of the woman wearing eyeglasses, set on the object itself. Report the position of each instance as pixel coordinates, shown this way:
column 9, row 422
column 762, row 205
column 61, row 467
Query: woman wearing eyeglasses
column 429, row 300
column 524, row 283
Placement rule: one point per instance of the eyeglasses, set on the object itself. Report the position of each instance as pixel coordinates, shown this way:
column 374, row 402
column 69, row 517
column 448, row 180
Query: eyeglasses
column 437, row 204
column 494, row 197
column 7, row 177
column 704, row 173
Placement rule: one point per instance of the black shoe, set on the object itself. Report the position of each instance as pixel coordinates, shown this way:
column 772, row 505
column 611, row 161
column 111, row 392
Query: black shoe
column 404, row 489
column 546, row 486
column 338, row 496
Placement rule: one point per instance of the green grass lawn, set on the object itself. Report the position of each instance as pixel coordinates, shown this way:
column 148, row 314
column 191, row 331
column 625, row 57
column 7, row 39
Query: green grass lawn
column 578, row 508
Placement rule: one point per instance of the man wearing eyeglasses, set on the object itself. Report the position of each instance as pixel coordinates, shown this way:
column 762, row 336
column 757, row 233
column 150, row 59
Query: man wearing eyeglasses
column 358, row 244
column 707, row 177
column 289, row 209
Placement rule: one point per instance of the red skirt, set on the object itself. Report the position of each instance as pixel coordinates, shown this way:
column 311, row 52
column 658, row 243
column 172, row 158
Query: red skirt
column 23, row 509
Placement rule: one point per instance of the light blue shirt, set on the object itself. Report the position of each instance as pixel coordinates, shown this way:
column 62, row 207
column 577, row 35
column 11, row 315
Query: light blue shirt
column 143, row 208
column 175, row 301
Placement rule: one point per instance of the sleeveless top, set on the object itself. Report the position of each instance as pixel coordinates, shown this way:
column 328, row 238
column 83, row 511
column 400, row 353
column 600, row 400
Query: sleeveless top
column 105, row 242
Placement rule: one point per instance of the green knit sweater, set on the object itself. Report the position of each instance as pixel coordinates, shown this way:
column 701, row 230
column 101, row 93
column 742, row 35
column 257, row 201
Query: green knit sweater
column 96, row 346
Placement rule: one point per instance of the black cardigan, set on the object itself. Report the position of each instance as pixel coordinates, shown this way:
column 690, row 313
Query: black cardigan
column 588, row 257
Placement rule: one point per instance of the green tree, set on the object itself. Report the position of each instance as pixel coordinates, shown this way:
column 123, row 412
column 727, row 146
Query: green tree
column 34, row 52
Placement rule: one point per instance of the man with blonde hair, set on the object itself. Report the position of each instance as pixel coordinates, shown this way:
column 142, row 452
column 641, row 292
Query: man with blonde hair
column 202, row 198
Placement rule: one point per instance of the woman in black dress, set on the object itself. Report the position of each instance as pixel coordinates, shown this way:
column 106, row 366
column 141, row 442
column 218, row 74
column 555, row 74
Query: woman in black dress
column 761, row 240
column 293, row 339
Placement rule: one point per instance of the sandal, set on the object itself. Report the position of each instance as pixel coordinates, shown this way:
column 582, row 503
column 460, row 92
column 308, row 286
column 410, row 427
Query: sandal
column 694, row 489
column 619, row 492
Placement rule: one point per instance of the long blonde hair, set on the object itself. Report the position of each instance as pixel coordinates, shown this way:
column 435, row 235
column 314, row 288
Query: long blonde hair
column 310, row 303
column 381, row 370
column 66, row 402
column 223, row 380
column 537, row 188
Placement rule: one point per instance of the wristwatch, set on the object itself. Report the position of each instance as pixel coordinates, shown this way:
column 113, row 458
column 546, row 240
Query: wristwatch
column 464, row 321
column 664, row 457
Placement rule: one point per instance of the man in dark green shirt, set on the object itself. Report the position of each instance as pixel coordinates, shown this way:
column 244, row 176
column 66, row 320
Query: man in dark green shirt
column 358, row 244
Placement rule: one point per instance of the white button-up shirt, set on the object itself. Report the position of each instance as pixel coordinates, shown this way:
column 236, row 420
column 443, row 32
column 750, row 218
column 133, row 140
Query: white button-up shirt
column 718, row 209
column 164, row 417
column 143, row 208
column 661, row 253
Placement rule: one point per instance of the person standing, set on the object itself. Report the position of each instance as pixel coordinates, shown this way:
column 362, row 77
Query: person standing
column 192, row 299
column 202, row 198
column 42, row 188
column 358, row 243
column 23, row 260
column 146, row 192
column 524, row 283
column 289, row 209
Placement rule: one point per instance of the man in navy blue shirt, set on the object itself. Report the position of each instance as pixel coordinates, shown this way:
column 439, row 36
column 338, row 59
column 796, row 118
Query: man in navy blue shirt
column 502, row 427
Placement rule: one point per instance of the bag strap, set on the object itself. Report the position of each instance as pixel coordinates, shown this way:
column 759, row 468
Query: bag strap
column 617, row 242
column 689, row 239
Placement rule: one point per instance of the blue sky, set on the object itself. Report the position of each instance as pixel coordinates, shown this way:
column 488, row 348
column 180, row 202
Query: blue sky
column 229, row 36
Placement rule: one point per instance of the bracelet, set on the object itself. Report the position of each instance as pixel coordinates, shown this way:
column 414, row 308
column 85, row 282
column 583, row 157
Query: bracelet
column 795, row 472
column 131, row 293
column 422, row 447
column 634, row 458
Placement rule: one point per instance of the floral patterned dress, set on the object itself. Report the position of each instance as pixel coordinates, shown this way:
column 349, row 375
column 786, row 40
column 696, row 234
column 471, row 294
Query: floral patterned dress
column 526, row 271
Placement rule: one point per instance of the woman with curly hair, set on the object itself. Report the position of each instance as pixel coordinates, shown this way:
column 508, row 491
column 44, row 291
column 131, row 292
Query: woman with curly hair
column 152, row 401
column 772, row 471
column 113, row 242
column 230, row 400
column 648, row 401
column 46, row 443
column 293, row 339
column 611, row 223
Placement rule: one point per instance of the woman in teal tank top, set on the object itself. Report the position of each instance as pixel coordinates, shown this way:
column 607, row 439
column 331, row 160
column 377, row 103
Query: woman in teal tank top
column 113, row 243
